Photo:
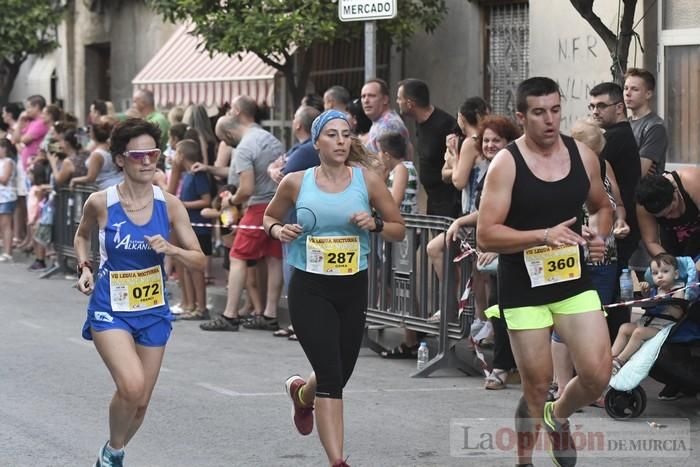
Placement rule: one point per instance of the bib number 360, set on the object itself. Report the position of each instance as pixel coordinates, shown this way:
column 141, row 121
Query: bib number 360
column 136, row 290
column 561, row 263
column 546, row 265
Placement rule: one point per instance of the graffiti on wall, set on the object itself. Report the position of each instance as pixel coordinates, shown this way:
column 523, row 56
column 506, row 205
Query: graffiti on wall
column 575, row 56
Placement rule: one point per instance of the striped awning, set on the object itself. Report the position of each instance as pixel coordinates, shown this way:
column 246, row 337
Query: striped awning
column 183, row 73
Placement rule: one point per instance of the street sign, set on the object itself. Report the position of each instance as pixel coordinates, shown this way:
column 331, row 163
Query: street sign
column 366, row 10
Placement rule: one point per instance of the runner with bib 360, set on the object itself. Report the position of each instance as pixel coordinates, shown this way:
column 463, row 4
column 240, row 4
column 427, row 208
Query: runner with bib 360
column 128, row 316
column 329, row 246
column 530, row 213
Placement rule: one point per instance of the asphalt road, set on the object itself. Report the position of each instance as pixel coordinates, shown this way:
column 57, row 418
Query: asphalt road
column 220, row 400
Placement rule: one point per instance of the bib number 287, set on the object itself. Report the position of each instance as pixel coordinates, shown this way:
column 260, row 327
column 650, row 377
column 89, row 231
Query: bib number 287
column 340, row 258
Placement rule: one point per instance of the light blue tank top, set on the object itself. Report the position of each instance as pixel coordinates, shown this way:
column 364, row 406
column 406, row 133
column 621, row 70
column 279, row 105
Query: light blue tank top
column 124, row 249
column 332, row 213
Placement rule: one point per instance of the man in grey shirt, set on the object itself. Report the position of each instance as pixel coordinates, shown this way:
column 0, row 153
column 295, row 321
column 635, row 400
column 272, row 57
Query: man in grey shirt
column 255, row 149
column 647, row 126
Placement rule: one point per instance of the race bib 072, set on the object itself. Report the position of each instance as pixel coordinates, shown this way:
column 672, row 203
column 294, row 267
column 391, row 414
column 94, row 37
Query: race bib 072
column 136, row 290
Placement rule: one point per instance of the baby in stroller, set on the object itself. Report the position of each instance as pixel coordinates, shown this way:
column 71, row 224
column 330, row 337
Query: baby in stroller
column 631, row 336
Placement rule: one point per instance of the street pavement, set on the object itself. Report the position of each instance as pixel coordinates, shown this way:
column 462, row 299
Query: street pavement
column 220, row 399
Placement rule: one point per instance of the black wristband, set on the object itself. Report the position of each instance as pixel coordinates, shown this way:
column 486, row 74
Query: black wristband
column 269, row 231
column 378, row 223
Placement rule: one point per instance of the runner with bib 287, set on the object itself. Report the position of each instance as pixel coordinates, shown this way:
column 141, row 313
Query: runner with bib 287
column 329, row 245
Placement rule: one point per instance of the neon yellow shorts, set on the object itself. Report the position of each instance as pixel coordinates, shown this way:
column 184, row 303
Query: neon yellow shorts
column 540, row 316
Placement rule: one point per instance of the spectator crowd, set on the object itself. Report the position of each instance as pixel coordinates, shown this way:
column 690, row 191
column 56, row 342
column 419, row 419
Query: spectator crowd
column 226, row 168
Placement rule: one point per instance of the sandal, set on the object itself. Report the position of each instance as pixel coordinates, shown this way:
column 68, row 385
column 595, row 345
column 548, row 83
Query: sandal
column 401, row 351
column 195, row 315
column 286, row 332
column 292, row 337
column 219, row 324
column 180, row 310
column 496, row 380
column 261, row 323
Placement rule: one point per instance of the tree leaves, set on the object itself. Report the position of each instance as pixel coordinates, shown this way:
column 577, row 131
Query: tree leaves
column 268, row 27
column 28, row 27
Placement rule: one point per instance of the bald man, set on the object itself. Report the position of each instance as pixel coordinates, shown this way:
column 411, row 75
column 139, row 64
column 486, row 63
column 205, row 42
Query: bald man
column 144, row 103
column 255, row 150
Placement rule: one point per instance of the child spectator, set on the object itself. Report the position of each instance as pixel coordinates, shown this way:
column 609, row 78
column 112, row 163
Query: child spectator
column 40, row 177
column 176, row 133
column 403, row 179
column 8, row 196
column 631, row 336
column 228, row 219
column 195, row 195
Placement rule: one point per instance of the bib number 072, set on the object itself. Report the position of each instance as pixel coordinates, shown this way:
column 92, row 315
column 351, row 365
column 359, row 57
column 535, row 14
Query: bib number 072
column 145, row 291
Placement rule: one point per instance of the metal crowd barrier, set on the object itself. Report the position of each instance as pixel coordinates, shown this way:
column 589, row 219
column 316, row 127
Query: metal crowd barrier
column 404, row 291
column 68, row 209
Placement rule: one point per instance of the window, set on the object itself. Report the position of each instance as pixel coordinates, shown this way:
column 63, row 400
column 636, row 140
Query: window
column 508, row 54
column 679, row 78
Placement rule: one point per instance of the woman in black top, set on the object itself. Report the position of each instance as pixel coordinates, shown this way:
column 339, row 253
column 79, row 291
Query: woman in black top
column 670, row 201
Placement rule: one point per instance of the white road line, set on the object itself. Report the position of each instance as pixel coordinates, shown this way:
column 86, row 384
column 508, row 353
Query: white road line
column 220, row 390
column 82, row 342
column 229, row 392
column 29, row 324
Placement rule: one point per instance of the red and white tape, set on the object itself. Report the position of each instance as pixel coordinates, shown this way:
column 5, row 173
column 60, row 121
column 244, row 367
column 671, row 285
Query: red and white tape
column 467, row 250
column 652, row 299
column 233, row 227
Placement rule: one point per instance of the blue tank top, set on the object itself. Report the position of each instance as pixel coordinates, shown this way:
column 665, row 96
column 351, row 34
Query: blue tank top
column 131, row 276
column 332, row 213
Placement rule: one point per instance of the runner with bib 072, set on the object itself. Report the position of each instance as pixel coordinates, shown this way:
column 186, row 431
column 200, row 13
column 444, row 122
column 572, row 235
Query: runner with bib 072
column 128, row 316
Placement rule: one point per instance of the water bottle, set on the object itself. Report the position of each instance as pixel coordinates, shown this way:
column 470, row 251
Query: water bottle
column 626, row 286
column 423, row 356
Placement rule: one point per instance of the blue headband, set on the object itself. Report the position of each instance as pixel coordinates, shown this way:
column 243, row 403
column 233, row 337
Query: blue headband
column 321, row 120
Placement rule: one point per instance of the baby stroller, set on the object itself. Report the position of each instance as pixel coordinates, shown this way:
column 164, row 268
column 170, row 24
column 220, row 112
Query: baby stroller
column 670, row 357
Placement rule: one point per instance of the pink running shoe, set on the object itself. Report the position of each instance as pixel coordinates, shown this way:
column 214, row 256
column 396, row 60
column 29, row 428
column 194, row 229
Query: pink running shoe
column 303, row 417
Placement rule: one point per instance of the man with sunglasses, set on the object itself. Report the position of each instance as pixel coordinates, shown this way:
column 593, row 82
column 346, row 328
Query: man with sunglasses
column 607, row 109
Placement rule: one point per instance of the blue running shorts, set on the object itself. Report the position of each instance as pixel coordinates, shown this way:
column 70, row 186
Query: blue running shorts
column 147, row 330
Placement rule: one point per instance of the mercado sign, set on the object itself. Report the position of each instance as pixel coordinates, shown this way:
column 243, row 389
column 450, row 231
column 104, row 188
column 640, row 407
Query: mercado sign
column 366, row 10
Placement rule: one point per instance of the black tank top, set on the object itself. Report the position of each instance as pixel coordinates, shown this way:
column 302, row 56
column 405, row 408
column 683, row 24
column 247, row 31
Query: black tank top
column 537, row 204
column 685, row 229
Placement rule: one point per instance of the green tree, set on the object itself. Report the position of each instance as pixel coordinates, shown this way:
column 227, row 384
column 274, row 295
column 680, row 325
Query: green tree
column 617, row 43
column 28, row 27
column 269, row 28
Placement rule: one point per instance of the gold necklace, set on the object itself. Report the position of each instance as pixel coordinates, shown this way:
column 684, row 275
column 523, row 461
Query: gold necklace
column 121, row 195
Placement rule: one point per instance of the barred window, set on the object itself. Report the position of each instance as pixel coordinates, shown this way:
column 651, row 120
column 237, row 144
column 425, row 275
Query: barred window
column 508, row 54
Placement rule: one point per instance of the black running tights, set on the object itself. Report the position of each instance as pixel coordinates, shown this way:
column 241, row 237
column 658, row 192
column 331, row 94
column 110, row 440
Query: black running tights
column 328, row 315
